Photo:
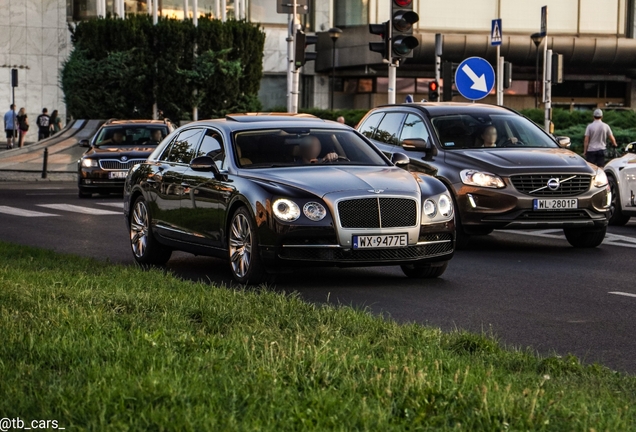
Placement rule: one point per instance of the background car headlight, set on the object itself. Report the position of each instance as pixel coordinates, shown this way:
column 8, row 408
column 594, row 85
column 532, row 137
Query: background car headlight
column 430, row 209
column 314, row 211
column 600, row 179
column 445, row 205
column 286, row 210
column 89, row 163
column 481, row 179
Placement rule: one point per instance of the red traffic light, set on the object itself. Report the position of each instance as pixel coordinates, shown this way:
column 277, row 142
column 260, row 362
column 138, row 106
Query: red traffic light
column 403, row 3
column 433, row 86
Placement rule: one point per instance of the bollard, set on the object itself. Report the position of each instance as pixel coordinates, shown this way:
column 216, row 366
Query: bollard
column 45, row 162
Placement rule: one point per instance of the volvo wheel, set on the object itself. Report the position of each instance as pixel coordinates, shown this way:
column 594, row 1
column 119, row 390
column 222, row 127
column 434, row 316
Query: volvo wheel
column 245, row 260
column 585, row 238
column 145, row 247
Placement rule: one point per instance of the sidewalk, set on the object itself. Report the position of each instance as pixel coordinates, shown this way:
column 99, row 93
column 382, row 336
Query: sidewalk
column 25, row 164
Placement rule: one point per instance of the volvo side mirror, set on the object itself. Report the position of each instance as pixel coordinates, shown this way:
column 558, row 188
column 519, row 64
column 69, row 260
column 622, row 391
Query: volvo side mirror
column 563, row 141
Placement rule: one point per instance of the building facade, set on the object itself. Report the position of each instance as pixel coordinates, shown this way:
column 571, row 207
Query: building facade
column 595, row 37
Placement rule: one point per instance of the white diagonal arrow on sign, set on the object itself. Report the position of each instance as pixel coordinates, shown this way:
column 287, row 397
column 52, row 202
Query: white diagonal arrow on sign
column 479, row 82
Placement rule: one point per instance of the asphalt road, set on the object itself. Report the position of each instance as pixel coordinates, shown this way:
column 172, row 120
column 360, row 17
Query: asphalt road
column 529, row 289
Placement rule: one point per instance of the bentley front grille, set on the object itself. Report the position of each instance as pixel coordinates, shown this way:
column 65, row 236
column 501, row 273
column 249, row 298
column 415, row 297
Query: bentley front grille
column 378, row 213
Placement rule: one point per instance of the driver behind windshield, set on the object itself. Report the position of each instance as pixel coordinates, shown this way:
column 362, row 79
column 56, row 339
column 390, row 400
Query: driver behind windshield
column 310, row 149
column 155, row 137
column 116, row 139
column 489, row 137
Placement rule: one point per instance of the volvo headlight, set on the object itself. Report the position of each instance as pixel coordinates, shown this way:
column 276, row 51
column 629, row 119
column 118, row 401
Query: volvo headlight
column 481, row 179
column 430, row 208
column 89, row 163
column 600, row 179
column 445, row 205
column 314, row 211
column 286, row 210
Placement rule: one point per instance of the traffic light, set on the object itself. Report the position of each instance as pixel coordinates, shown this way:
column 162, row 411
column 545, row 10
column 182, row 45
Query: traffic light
column 402, row 19
column 433, row 91
column 383, row 30
column 507, row 75
column 302, row 42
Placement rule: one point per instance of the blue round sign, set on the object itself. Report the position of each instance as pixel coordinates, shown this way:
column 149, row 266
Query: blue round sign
column 474, row 78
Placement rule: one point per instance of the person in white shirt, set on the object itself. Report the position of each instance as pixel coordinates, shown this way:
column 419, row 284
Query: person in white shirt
column 596, row 136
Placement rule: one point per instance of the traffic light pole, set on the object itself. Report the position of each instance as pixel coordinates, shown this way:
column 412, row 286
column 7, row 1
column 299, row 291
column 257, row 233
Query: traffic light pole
column 292, row 73
column 548, row 91
column 392, row 81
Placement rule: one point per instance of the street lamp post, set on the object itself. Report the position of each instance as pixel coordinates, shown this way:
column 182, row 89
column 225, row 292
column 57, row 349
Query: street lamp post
column 334, row 34
column 537, row 38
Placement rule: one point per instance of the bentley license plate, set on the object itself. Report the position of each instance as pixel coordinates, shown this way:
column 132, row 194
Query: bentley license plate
column 117, row 174
column 556, row 204
column 380, row 241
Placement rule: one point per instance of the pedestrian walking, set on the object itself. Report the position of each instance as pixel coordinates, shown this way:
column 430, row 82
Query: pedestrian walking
column 56, row 122
column 23, row 125
column 44, row 124
column 11, row 126
column 595, row 142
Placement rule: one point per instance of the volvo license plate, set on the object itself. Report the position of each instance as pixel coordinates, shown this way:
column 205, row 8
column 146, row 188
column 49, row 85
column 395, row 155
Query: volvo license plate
column 556, row 204
column 117, row 174
column 380, row 241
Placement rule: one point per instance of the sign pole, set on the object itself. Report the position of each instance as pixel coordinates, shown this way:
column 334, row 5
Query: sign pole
column 439, row 44
column 496, row 39
column 291, row 18
column 548, row 92
column 499, row 78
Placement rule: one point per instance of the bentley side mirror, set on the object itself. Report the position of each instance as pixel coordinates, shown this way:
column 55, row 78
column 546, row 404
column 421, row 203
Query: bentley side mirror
column 400, row 160
column 563, row 141
column 204, row 164
column 84, row 143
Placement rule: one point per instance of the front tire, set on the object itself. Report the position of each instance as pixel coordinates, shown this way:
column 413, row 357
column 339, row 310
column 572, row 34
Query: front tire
column 585, row 238
column 616, row 216
column 146, row 250
column 245, row 260
column 424, row 271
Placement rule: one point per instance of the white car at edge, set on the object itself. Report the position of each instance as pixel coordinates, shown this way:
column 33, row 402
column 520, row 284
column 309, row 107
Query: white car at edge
column 621, row 173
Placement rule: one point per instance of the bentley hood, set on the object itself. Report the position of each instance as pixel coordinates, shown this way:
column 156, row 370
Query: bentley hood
column 324, row 180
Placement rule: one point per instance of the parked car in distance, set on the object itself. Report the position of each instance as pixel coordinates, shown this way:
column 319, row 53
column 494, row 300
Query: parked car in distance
column 117, row 146
column 273, row 192
column 621, row 173
column 503, row 170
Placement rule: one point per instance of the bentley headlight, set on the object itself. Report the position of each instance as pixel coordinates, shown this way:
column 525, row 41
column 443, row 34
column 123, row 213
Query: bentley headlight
column 482, row 179
column 286, row 210
column 314, row 211
column 600, row 179
column 430, row 209
column 445, row 205
column 89, row 163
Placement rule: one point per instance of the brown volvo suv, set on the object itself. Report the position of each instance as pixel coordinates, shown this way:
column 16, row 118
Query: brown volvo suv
column 503, row 170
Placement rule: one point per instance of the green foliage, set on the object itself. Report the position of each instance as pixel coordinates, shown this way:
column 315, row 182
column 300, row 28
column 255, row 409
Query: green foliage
column 140, row 62
column 352, row 116
column 103, row 347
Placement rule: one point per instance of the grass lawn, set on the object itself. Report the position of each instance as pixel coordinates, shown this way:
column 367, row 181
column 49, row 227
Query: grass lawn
column 103, row 347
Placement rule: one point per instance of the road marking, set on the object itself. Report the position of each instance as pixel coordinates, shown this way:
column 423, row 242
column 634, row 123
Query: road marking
column 622, row 293
column 119, row 205
column 79, row 209
column 25, row 213
column 610, row 239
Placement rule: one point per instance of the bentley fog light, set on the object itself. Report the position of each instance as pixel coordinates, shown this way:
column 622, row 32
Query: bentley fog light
column 314, row 211
column 430, row 209
column 445, row 205
column 600, row 179
column 286, row 210
column 89, row 163
column 481, row 179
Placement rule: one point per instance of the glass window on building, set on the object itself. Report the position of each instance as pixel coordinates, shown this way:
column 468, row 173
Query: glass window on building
column 351, row 12
column 264, row 11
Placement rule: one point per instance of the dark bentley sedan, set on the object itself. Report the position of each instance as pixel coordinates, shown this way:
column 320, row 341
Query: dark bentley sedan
column 503, row 170
column 272, row 192
column 116, row 147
